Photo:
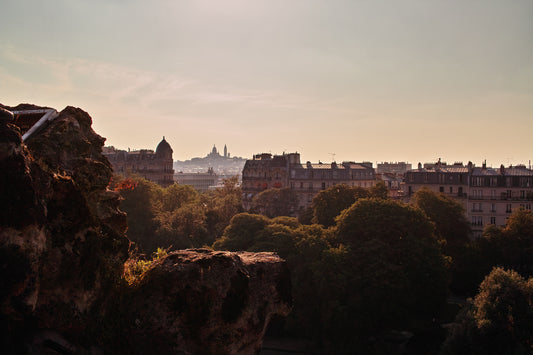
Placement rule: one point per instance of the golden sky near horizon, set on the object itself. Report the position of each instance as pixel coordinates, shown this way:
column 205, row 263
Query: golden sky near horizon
column 412, row 80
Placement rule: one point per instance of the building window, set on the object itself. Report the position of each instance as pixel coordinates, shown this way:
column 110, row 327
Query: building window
column 451, row 189
column 477, row 220
column 441, row 189
column 493, row 207
column 323, row 186
column 508, row 208
column 301, row 185
column 492, row 220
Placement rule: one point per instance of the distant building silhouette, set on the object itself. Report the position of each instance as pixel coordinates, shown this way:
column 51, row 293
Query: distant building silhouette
column 154, row 166
column 224, row 166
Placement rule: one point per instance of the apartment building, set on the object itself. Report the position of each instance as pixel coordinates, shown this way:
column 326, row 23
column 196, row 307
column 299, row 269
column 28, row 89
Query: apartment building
column 488, row 195
column 266, row 171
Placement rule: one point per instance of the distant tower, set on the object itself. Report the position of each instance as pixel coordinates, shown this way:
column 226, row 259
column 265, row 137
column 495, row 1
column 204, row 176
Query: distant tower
column 225, row 151
column 214, row 151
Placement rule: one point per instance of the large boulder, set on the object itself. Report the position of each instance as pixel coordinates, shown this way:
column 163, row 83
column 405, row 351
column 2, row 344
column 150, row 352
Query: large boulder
column 198, row 301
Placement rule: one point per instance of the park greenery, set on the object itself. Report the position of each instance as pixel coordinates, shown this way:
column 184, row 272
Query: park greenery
column 368, row 272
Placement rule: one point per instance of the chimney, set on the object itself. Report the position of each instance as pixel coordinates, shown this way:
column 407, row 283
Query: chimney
column 419, row 166
column 484, row 164
column 502, row 169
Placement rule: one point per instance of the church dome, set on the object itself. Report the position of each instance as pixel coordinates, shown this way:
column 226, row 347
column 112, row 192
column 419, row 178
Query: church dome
column 163, row 149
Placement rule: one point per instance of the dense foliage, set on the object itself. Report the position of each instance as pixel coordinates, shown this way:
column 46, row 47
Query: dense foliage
column 176, row 216
column 275, row 202
column 380, row 269
column 364, row 266
column 329, row 203
column 499, row 321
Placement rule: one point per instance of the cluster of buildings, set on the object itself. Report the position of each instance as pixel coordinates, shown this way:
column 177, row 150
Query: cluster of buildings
column 266, row 171
column 158, row 166
column 154, row 166
column 488, row 195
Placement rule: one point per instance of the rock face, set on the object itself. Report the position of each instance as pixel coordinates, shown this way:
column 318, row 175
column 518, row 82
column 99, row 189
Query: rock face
column 62, row 254
column 62, row 237
column 201, row 302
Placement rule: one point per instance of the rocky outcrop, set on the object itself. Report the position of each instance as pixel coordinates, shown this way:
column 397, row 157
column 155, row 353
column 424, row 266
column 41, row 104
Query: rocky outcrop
column 62, row 254
column 62, row 237
column 202, row 302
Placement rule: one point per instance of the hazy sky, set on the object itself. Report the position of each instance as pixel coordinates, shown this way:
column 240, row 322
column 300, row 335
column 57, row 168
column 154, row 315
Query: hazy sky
column 372, row 80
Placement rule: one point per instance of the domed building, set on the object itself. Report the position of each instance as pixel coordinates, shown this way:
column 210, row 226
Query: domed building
column 154, row 166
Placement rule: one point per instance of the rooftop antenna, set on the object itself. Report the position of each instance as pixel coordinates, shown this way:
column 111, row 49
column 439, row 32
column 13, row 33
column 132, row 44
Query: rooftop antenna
column 332, row 156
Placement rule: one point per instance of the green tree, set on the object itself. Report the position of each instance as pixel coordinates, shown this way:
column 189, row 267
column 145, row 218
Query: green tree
column 379, row 190
column 447, row 214
column 221, row 205
column 394, row 274
column 141, row 202
column 242, row 232
column 329, row 203
column 511, row 246
column 175, row 196
column 387, row 220
column 452, row 230
column 275, row 202
column 500, row 319
column 181, row 228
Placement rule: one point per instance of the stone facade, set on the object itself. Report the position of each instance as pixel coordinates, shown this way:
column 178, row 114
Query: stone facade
column 265, row 171
column 154, row 166
column 488, row 195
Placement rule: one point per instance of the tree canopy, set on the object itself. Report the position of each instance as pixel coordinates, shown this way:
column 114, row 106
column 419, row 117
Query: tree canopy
column 447, row 214
column 176, row 216
column 275, row 202
column 329, row 203
column 500, row 319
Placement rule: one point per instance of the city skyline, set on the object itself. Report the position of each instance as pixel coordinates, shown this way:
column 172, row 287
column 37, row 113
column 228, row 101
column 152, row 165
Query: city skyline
column 374, row 81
